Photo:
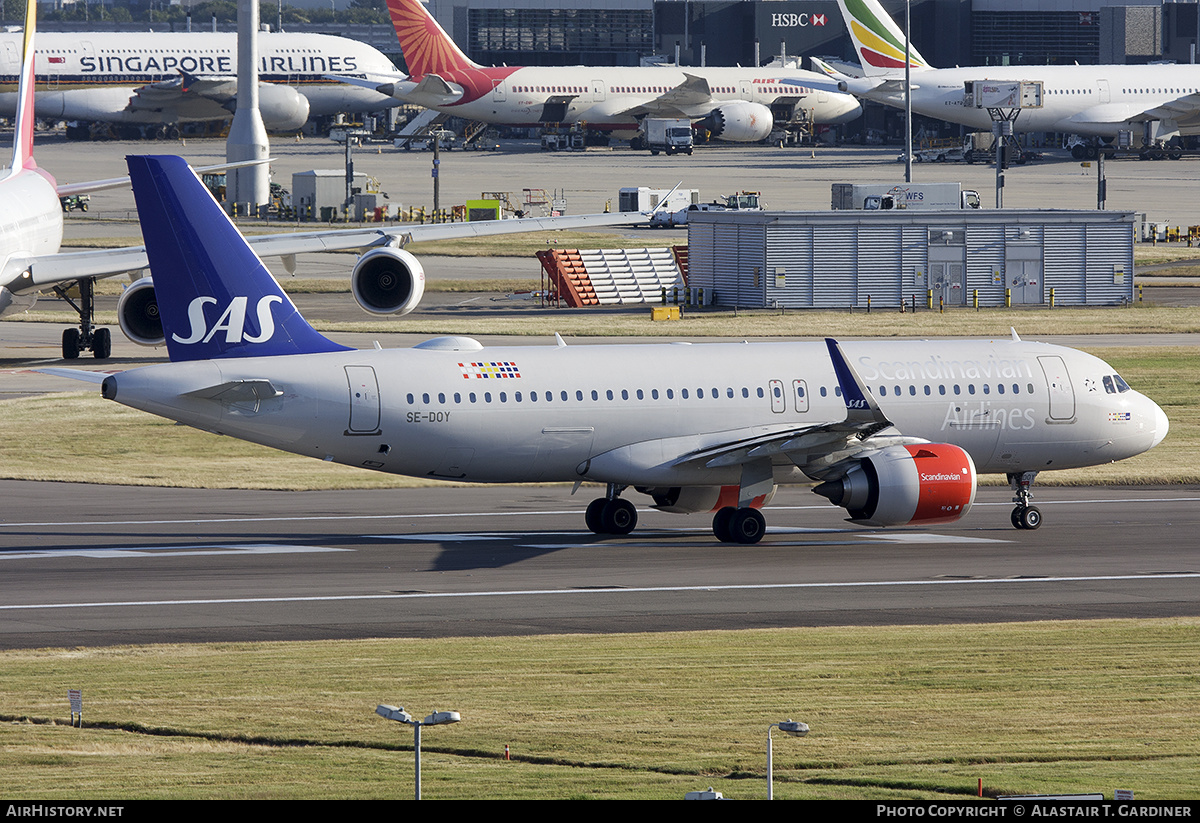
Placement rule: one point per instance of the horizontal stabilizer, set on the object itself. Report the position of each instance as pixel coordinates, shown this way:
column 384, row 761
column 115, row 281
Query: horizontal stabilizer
column 234, row 391
column 76, row 374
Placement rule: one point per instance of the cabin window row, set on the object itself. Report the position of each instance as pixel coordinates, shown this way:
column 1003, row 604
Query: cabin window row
column 713, row 393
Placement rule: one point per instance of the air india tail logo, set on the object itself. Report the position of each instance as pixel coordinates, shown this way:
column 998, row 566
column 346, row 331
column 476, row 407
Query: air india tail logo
column 427, row 49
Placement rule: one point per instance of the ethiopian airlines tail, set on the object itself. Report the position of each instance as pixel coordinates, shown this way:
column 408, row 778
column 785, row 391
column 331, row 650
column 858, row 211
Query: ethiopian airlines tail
column 426, row 46
column 220, row 300
column 877, row 39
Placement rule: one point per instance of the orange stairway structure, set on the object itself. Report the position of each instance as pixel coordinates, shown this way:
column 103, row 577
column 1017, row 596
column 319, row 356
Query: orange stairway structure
column 593, row 277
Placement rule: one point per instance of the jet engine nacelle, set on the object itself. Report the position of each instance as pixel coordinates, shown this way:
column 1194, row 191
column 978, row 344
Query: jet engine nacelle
column 282, row 107
column 137, row 314
column 692, row 499
column 388, row 281
column 923, row 484
column 740, row 122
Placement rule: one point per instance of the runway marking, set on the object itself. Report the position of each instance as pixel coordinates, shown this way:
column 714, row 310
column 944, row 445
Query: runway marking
column 201, row 549
column 558, row 512
column 853, row 537
column 597, row 590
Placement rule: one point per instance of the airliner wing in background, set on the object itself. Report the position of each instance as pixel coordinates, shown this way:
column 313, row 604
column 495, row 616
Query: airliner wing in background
column 859, row 84
column 385, row 280
column 678, row 102
column 1183, row 110
column 431, row 92
column 53, row 268
column 65, row 189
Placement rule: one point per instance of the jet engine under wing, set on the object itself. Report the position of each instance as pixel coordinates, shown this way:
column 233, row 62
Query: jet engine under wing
column 56, row 268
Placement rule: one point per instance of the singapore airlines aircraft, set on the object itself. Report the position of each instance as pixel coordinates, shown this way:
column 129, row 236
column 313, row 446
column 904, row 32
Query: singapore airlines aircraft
column 1086, row 100
column 735, row 104
column 894, row 432
column 157, row 78
column 385, row 279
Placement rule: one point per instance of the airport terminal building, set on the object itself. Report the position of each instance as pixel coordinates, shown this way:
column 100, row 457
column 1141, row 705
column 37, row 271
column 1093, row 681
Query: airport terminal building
column 729, row 32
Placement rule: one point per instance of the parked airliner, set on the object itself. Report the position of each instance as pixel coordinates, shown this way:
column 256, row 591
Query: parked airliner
column 164, row 78
column 735, row 104
column 1087, row 100
column 385, row 279
column 893, row 431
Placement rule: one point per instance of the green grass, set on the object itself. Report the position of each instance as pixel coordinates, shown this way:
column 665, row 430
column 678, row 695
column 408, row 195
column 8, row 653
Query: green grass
column 130, row 447
column 758, row 323
column 910, row 712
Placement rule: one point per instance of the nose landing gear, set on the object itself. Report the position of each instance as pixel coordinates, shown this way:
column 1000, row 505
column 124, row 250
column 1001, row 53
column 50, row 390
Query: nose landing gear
column 1024, row 516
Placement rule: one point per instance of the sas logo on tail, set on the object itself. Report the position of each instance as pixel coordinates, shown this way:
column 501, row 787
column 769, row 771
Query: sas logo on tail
column 232, row 321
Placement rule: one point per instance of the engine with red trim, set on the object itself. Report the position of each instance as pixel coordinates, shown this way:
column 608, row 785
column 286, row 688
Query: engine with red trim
column 922, row 484
column 691, row 499
column 739, row 122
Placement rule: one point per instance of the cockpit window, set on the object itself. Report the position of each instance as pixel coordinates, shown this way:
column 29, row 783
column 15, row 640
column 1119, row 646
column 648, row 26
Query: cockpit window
column 1122, row 386
column 1108, row 385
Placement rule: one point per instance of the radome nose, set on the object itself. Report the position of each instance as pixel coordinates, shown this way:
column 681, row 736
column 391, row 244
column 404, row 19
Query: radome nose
column 1161, row 424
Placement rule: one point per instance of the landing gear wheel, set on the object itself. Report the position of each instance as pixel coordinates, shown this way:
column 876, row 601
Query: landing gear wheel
column 1026, row 517
column 102, row 344
column 70, row 344
column 747, row 526
column 618, row 517
column 720, row 524
column 593, row 517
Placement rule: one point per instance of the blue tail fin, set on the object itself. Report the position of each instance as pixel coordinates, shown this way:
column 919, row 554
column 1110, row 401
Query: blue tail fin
column 215, row 296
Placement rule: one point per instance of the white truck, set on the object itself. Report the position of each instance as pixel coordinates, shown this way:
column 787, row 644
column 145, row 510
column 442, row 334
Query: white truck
column 672, row 135
column 742, row 201
column 641, row 198
column 884, row 196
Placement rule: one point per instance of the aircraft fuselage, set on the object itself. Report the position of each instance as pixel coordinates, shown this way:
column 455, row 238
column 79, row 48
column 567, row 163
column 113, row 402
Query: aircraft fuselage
column 626, row 413
column 1088, row 100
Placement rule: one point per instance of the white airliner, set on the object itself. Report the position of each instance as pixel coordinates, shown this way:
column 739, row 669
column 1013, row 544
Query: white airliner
column 385, row 280
column 163, row 78
column 1086, row 100
column 893, row 431
column 735, row 104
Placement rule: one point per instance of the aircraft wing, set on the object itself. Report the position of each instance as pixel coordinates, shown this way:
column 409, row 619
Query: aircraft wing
column 680, row 101
column 817, row 449
column 430, row 92
column 859, row 85
column 65, row 189
column 50, row 269
column 185, row 96
column 1184, row 110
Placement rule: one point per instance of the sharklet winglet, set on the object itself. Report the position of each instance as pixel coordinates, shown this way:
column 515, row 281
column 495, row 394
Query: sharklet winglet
column 862, row 412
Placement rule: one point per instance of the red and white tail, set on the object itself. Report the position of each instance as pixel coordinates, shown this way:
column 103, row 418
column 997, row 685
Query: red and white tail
column 23, row 136
column 426, row 46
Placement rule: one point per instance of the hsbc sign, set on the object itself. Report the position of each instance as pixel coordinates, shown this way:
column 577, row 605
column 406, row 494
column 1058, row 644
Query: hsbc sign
column 797, row 20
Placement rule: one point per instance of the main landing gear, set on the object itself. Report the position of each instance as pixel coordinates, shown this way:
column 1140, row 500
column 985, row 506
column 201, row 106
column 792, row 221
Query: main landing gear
column 1024, row 516
column 611, row 514
column 86, row 337
column 732, row 525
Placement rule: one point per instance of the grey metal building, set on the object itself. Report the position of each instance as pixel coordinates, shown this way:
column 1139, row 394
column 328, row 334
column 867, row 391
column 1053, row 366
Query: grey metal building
column 840, row 259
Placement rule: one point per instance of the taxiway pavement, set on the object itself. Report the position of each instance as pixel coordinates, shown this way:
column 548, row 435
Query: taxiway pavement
column 101, row 565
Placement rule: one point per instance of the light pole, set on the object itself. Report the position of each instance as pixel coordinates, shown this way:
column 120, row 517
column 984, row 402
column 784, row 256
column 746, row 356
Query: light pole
column 398, row 714
column 790, row 727
column 908, row 134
